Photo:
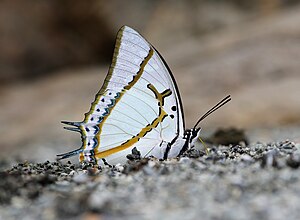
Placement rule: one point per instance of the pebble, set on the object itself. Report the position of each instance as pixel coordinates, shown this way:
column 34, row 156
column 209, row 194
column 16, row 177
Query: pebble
column 293, row 161
column 246, row 158
column 80, row 177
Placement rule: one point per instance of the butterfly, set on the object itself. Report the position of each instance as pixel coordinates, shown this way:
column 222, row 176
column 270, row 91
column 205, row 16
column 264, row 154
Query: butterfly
column 138, row 106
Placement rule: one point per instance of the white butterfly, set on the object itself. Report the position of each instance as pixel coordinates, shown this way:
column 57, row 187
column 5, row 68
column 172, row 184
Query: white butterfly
column 138, row 106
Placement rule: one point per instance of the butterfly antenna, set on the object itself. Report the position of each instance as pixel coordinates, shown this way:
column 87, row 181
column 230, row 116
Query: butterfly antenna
column 213, row 109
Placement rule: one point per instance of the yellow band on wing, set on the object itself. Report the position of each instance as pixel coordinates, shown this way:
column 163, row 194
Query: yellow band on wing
column 121, row 93
column 129, row 86
column 108, row 77
column 134, row 139
column 162, row 114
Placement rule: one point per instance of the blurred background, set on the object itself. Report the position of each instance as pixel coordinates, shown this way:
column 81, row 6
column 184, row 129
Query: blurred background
column 55, row 54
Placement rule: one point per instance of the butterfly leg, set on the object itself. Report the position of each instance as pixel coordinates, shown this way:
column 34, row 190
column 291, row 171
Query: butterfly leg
column 106, row 163
column 166, row 153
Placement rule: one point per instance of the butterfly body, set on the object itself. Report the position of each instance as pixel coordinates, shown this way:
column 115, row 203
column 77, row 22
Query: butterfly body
column 138, row 106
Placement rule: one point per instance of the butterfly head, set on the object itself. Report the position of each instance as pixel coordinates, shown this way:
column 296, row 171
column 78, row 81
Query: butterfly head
column 191, row 136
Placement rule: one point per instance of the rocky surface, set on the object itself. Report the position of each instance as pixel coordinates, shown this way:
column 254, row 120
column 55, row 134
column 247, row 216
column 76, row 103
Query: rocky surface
column 256, row 181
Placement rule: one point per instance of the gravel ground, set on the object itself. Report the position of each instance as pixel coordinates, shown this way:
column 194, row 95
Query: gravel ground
column 256, row 181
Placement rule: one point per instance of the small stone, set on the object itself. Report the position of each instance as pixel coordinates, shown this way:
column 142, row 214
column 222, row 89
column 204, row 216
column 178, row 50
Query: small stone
column 119, row 167
column 185, row 160
column 194, row 153
column 293, row 161
column 99, row 202
column 164, row 170
column 135, row 154
column 148, row 170
column 80, row 177
column 269, row 159
column 246, row 158
column 151, row 163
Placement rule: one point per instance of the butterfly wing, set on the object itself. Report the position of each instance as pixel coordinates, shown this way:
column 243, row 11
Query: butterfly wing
column 138, row 105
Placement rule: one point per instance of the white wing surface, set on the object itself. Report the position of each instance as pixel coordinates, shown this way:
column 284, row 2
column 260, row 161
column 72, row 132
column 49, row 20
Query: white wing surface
column 138, row 106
